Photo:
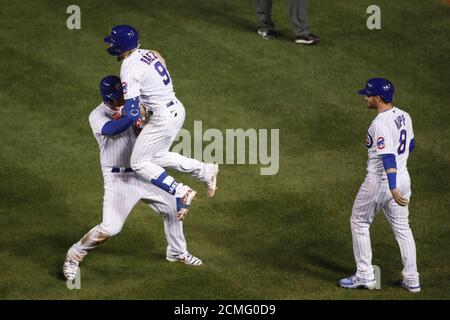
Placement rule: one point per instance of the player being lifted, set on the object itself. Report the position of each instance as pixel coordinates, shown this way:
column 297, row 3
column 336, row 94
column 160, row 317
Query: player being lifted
column 147, row 82
column 123, row 187
column 387, row 187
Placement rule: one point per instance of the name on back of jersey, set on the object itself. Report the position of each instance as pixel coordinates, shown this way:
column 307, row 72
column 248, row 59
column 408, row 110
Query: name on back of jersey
column 400, row 121
column 149, row 57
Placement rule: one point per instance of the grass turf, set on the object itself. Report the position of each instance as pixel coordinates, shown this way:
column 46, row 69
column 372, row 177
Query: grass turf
column 263, row 237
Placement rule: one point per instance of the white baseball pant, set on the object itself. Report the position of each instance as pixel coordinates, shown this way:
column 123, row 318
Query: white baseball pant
column 374, row 195
column 122, row 193
column 151, row 150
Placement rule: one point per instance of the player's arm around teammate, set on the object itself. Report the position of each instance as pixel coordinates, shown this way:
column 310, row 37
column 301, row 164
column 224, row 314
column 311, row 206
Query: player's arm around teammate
column 123, row 187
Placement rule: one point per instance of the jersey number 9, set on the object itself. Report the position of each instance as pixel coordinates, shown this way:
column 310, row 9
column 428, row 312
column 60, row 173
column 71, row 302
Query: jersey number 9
column 162, row 72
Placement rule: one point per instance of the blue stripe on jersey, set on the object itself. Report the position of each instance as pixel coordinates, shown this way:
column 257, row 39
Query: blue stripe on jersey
column 165, row 182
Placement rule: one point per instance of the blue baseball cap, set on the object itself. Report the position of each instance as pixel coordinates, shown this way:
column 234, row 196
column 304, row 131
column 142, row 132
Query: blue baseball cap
column 122, row 39
column 111, row 89
column 379, row 87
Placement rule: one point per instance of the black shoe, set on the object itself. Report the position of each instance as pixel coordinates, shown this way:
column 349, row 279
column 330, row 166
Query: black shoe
column 267, row 34
column 307, row 39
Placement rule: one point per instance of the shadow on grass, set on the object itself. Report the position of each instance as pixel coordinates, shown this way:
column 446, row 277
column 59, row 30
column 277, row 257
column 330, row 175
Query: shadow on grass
column 228, row 16
column 33, row 209
column 231, row 18
column 38, row 225
column 296, row 239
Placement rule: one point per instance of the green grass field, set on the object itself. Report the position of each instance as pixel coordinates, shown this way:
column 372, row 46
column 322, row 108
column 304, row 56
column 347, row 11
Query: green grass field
column 285, row 236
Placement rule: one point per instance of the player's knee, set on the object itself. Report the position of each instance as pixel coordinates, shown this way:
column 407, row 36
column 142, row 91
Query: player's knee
column 160, row 158
column 402, row 231
column 109, row 231
column 357, row 223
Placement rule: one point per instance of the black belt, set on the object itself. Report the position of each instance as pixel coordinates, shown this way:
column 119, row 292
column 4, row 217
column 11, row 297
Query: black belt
column 117, row 170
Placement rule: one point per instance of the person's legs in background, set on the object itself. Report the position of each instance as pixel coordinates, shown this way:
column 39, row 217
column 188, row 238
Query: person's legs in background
column 297, row 10
column 264, row 18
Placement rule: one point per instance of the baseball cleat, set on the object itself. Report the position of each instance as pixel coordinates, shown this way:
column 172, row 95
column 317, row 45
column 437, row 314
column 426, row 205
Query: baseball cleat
column 212, row 184
column 354, row 282
column 187, row 259
column 184, row 203
column 413, row 289
column 70, row 268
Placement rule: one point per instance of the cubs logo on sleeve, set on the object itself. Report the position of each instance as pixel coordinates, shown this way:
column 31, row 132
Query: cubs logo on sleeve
column 381, row 143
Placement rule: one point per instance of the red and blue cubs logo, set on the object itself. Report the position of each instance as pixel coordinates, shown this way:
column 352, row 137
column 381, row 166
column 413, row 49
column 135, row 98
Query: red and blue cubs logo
column 369, row 141
column 124, row 87
column 380, row 143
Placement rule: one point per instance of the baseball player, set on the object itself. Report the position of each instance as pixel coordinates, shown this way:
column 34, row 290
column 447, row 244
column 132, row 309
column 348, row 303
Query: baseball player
column 387, row 187
column 146, row 81
column 124, row 187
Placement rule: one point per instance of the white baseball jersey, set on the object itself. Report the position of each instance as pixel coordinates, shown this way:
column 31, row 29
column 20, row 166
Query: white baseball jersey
column 143, row 74
column 115, row 151
column 390, row 132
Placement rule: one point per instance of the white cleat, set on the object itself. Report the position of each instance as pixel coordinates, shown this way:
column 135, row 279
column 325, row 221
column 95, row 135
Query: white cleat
column 414, row 289
column 212, row 184
column 70, row 268
column 354, row 282
column 184, row 203
column 187, row 258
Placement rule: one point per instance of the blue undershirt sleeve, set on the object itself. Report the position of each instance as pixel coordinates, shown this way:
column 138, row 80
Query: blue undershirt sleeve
column 389, row 162
column 114, row 127
column 412, row 145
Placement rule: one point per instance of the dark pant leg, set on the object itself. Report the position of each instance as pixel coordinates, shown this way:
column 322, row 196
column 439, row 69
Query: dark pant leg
column 298, row 16
column 264, row 14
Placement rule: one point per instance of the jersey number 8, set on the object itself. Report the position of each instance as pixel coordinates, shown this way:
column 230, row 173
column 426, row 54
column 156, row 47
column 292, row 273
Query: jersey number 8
column 402, row 146
column 162, row 72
